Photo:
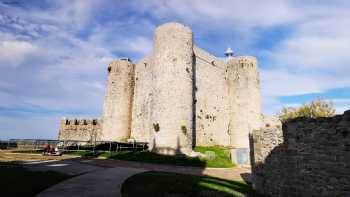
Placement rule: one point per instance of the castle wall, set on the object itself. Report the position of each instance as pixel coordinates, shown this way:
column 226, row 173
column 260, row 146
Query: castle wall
column 310, row 157
column 80, row 129
column 245, row 101
column 212, row 107
column 141, row 127
column 118, row 101
column 178, row 97
column 172, row 84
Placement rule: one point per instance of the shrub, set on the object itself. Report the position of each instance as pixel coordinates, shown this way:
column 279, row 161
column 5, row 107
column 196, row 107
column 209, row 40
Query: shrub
column 315, row 109
column 156, row 127
column 184, row 129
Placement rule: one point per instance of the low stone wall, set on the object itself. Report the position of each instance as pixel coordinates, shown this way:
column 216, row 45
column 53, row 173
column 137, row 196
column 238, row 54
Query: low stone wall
column 80, row 129
column 308, row 157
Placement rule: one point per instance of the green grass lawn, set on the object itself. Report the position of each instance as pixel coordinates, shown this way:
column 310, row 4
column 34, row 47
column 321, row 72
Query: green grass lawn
column 222, row 156
column 165, row 184
column 221, row 160
column 17, row 181
column 149, row 157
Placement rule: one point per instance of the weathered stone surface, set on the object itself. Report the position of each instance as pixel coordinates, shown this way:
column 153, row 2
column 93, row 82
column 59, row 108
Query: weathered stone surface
column 310, row 157
column 172, row 80
column 80, row 129
column 141, row 109
column 244, row 95
column 118, row 101
column 212, row 108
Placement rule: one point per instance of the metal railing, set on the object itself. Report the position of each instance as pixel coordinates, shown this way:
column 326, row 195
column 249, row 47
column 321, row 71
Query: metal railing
column 72, row 145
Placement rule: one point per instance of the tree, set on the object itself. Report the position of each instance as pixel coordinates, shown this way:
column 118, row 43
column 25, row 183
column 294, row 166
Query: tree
column 315, row 109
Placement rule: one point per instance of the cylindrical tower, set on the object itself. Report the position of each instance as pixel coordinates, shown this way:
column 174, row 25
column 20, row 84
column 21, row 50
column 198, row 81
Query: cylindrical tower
column 172, row 98
column 118, row 101
column 245, row 103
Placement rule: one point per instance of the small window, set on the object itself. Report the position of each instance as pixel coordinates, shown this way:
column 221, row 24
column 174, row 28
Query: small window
column 94, row 122
column 109, row 69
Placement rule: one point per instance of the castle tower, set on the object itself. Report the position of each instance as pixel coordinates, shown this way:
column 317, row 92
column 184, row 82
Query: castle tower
column 172, row 98
column 118, row 101
column 245, row 104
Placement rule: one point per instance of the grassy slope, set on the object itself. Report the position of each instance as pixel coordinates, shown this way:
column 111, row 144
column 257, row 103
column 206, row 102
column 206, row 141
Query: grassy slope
column 164, row 184
column 222, row 159
column 222, row 156
column 150, row 157
column 18, row 181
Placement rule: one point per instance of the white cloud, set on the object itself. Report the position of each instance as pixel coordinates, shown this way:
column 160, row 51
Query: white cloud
column 55, row 67
column 251, row 13
column 13, row 52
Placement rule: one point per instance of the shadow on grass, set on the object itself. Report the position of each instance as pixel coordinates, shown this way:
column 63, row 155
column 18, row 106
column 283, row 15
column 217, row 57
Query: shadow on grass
column 18, row 181
column 164, row 184
column 149, row 157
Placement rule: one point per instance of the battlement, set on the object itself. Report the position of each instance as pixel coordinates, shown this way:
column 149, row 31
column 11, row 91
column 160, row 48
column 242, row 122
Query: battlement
column 77, row 121
column 116, row 64
column 80, row 129
column 243, row 62
column 171, row 27
column 246, row 61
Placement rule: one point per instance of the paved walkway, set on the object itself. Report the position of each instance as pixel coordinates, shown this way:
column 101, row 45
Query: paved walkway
column 71, row 167
column 236, row 173
column 104, row 177
column 105, row 183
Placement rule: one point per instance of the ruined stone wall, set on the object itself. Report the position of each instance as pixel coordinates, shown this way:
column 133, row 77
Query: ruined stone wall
column 310, row 157
column 117, row 107
column 211, row 94
column 80, row 129
column 141, row 123
column 172, row 85
column 244, row 95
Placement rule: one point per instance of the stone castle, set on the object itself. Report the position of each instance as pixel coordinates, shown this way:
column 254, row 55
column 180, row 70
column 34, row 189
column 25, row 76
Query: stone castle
column 177, row 97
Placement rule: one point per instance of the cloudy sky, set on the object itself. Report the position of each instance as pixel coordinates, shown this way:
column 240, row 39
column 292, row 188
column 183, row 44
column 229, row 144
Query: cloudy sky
column 54, row 54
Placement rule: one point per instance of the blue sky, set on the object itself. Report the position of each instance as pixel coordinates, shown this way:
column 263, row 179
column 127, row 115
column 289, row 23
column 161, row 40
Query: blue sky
column 54, row 54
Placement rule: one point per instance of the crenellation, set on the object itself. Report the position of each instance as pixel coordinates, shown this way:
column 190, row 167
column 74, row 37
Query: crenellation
column 80, row 129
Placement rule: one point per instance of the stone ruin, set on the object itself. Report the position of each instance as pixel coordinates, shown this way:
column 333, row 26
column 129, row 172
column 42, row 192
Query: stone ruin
column 308, row 157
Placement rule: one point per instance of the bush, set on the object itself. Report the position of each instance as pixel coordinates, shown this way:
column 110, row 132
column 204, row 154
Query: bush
column 315, row 109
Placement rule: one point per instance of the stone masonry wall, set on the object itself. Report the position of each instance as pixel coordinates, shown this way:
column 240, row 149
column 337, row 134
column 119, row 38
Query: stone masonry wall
column 172, row 86
column 310, row 157
column 244, row 95
column 212, row 109
column 141, row 108
column 117, row 107
column 80, row 129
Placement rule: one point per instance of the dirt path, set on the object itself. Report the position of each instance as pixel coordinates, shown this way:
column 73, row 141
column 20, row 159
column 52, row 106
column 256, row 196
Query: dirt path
column 8, row 156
